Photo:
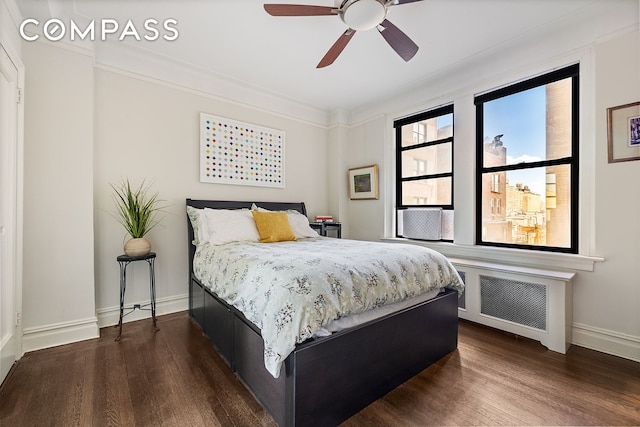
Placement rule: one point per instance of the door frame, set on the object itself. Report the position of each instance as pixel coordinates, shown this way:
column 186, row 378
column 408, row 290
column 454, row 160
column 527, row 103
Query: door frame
column 14, row 197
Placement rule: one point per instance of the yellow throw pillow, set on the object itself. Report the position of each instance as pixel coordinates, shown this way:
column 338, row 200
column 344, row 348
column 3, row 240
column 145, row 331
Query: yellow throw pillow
column 273, row 226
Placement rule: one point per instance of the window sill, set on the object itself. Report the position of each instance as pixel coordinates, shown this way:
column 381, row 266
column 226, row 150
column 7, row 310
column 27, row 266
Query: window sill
column 519, row 257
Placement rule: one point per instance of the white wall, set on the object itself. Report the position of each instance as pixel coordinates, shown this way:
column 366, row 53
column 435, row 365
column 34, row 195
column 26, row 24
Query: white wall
column 609, row 298
column 58, row 290
column 606, row 301
column 9, row 20
column 365, row 149
column 88, row 127
column 337, row 176
column 148, row 130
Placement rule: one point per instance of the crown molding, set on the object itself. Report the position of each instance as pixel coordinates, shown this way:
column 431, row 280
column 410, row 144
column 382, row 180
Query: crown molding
column 135, row 59
column 131, row 58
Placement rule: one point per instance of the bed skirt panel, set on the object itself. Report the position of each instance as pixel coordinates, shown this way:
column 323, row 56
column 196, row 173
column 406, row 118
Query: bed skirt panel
column 366, row 362
column 326, row 380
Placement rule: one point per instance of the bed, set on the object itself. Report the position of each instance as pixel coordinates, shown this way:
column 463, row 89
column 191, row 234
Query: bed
column 326, row 377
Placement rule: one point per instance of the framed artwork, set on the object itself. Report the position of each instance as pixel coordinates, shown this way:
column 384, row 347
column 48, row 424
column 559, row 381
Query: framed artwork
column 363, row 183
column 233, row 152
column 623, row 132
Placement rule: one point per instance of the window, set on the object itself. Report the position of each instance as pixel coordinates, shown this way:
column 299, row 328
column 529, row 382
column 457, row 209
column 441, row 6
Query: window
column 420, row 167
column 496, row 206
column 495, row 183
column 424, row 161
column 418, row 133
column 527, row 164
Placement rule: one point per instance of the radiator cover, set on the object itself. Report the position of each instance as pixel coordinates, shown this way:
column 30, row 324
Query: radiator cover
column 515, row 301
column 529, row 302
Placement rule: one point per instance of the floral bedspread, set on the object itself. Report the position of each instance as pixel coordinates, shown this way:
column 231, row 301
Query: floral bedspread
column 291, row 289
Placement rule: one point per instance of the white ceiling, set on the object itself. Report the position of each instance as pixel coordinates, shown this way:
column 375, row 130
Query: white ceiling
column 238, row 42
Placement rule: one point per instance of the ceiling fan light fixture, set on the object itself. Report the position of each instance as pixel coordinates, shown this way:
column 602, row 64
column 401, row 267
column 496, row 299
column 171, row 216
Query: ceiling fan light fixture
column 358, row 15
column 362, row 15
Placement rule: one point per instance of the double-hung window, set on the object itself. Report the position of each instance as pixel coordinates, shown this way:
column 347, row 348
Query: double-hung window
column 424, row 167
column 527, row 164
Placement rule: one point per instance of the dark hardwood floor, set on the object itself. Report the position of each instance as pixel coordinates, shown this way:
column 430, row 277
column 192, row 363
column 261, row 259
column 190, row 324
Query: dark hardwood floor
column 174, row 378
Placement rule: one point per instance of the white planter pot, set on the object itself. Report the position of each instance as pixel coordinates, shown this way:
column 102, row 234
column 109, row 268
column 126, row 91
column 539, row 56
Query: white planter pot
column 137, row 247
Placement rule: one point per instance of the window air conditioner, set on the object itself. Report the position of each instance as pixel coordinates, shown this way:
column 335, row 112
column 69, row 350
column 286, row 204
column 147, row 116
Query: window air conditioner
column 423, row 224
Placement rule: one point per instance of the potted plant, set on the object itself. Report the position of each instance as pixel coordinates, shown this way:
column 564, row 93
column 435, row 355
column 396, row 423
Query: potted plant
column 137, row 211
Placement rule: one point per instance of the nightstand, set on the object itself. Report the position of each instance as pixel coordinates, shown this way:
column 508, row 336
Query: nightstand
column 324, row 227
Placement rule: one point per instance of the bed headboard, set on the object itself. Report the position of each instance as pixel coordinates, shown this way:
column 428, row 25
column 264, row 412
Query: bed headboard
column 229, row 204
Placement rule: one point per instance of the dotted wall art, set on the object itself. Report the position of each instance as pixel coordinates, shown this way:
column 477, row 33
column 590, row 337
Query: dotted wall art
column 233, row 152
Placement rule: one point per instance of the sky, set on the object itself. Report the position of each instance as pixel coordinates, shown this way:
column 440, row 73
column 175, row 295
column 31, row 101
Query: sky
column 521, row 118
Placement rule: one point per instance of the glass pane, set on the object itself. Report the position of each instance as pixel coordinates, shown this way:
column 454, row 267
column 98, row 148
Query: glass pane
column 427, row 192
column 528, row 126
column 427, row 160
column 528, row 207
column 427, row 130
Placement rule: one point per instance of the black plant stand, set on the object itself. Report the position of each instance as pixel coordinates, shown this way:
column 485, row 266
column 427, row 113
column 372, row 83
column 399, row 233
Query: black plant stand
column 125, row 260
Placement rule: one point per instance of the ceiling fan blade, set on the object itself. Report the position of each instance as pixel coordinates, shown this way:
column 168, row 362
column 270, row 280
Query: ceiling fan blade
column 299, row 10
column 399, row 41
column 336, row 49
column 397, row 2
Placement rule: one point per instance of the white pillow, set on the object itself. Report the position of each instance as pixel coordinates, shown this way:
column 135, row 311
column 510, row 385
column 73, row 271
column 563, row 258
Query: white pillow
column 199, row 225
column 230, row 225
column 299, row 223
column 255, row 207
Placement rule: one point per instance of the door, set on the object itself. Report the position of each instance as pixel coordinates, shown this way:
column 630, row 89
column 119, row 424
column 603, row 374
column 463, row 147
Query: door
column 8, row 214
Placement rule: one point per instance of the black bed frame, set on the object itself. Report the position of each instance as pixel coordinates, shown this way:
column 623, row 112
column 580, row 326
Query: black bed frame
column 326, row 380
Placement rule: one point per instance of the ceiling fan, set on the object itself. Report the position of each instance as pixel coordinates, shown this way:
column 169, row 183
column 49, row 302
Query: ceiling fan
column 359, row 15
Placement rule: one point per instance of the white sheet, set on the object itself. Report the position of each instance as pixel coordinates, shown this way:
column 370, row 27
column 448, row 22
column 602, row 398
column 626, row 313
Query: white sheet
column 359, row 319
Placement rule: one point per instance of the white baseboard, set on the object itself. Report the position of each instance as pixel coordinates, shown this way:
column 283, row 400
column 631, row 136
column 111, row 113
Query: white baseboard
column 59, row 334
column 84, row 329
column 605, row 341
column 109, row 316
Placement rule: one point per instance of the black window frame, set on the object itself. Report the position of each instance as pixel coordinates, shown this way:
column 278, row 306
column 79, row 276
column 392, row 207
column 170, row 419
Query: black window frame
column 398, row 124
column 573, row 72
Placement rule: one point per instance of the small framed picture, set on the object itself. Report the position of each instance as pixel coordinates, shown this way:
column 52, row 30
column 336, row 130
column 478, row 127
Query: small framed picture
column 363, row 183
column 623, row 132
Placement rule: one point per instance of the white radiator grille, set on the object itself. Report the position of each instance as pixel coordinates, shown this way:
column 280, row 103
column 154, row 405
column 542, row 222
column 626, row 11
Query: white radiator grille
column 519, row 302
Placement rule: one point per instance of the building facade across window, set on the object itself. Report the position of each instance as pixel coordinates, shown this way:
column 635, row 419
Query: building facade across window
column 527, row 164
column 424, row 175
